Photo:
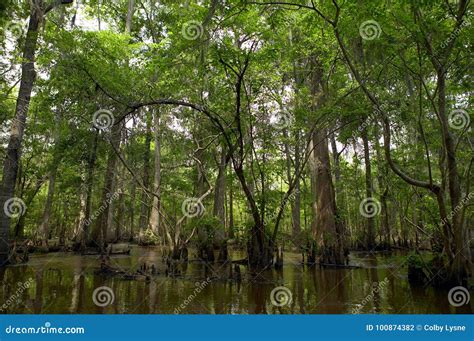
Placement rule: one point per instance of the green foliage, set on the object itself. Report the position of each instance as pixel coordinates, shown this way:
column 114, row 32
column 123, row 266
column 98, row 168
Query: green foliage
column 282, row 51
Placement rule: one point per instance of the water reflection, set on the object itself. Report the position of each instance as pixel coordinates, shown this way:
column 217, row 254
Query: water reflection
column 64, row 283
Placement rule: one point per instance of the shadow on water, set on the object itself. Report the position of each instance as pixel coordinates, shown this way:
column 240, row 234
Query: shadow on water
column 64, row 283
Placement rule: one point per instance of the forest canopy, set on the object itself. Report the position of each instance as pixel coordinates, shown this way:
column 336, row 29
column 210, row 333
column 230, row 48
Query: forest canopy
column 316, row 127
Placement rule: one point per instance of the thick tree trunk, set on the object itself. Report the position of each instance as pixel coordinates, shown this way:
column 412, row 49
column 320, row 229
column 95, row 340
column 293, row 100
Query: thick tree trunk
column 459, row 263
column 327, row 234
column 13, row 152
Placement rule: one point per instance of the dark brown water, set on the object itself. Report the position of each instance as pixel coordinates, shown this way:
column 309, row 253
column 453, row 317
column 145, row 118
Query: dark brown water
column 63, row 283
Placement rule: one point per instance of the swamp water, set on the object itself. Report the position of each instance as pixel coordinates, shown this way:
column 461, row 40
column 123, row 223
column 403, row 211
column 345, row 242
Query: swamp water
column 64, row 283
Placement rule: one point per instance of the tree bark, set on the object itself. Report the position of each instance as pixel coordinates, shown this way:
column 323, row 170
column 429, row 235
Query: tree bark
column 382, row 178
column 219, row 189
column 231, row 210
column 296, row 205
column 13, row 152
column 370, row 242
column 103, row 223
column 146, row 182
column 128, row 23
column 327, row 232
column 86, row 197
column 154, row 222
column 329, row 239
column 219, row 206
column 44, row 227
column 295, row 202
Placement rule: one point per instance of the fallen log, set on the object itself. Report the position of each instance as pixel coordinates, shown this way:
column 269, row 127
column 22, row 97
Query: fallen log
column 343, row 266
